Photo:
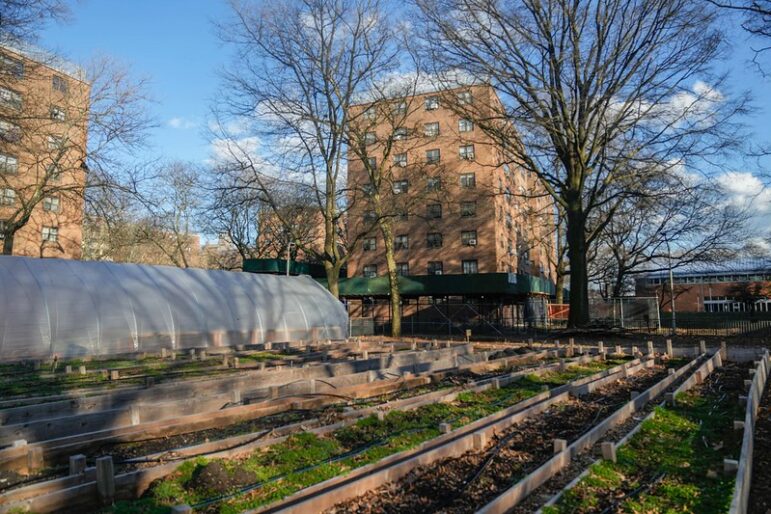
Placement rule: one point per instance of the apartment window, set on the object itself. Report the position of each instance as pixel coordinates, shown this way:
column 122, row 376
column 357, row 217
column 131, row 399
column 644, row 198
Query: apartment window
column 370, row 113
column 466, row 152
column 51, row 204
column 434, row 240
column 54, row 172
column 465, row 98
column 402, row 268
column 370, row 270
column 470, row 267
column 432, row 156
column 401, row 242
column 10, row 98
column 432, row 103
column 368, row 188
column 433, row 184
column 9, row 164
column 434, row 211
column 50, row 234
column 58, row 114
column 468, row 237
column 468, row 209
column 370, row 244
column 55, row 142
column 9, row 132
column 59, row 84
column 468, row 180
column 506, row 170
column 400, row 186
column 402, row 215
column 372, row 162
column 11, row 66
column 400, row 108
column 7, row 197
column 431, row 129
column 400, row 160
column 465, row 125
column 369, row 138
column 370, row 217
column 3, row 228
column 435, row 268
column 401, row 134
column 508, row 221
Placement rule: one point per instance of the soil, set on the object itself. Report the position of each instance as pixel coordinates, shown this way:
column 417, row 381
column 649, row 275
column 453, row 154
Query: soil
column 760, row 491
column 216, row 479
column 466, row 483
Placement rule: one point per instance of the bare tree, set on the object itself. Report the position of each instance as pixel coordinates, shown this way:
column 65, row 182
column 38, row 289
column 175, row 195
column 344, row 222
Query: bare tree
column 155, row 223
column 173, row 202
column 21, row 20
column 611, row 90
column 300, row 65
column 757, row 16
column 676, row 220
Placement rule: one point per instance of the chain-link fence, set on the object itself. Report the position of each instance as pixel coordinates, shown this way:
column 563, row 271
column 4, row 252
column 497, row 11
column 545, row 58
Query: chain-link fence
column 534, row 319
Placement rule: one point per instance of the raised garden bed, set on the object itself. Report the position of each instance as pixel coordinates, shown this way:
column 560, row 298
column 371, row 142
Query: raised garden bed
column 674, row 463
column 274, row 473
column 467, row 483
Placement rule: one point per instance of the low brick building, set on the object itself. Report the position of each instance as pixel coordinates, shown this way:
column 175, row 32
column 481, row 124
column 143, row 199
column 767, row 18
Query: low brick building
column 742, row 287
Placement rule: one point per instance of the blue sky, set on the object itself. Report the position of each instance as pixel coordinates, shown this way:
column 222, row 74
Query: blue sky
column 174, row 44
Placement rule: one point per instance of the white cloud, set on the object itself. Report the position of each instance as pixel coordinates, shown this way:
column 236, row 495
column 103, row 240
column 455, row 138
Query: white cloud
column 745, row 190
column 182, row 123
column 245, row 150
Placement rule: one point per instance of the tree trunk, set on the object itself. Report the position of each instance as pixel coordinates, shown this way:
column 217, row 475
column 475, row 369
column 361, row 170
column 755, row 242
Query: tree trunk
column 393, row 280
column 579, row 277
column 8, row 244
column 333, row 278
column 618, row 285
column 560, row 286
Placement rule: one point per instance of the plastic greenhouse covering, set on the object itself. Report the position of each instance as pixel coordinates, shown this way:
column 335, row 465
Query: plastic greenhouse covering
column 69, row 308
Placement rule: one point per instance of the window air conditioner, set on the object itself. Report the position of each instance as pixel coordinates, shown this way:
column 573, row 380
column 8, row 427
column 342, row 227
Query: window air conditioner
column 438, row 272
column 472, row 242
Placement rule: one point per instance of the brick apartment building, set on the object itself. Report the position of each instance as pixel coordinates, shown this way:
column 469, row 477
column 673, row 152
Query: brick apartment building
column 474, row 213
column 474, row 226
column 743, row 287
column 43, row 132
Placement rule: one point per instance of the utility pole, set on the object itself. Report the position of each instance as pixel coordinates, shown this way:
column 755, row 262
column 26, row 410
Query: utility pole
column 671, row 285
column 289, row 256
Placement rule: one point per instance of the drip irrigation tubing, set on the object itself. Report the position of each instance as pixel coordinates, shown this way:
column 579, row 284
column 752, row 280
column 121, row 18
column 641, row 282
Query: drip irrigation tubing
column 257, row 485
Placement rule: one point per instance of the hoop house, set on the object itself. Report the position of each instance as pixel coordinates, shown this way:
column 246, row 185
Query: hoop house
column 70, row 308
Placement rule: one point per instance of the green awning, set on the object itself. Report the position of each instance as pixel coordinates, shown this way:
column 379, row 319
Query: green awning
column 479, row 284
column 278, row 267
